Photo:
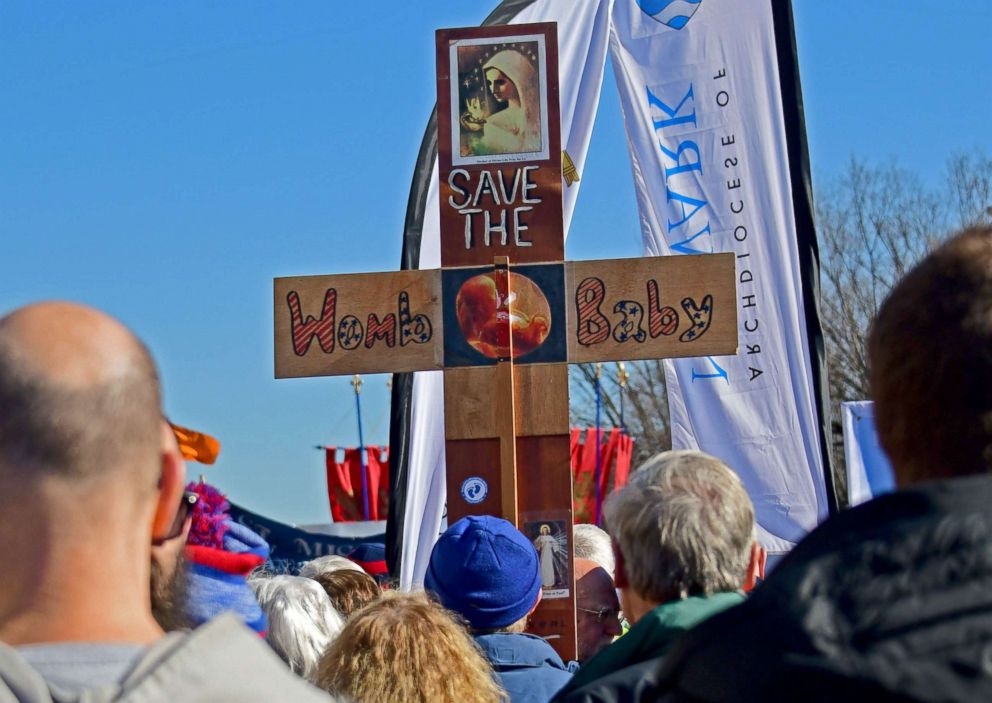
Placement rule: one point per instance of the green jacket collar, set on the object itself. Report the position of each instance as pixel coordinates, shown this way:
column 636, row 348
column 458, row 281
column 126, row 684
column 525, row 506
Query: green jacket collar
column 653, row 635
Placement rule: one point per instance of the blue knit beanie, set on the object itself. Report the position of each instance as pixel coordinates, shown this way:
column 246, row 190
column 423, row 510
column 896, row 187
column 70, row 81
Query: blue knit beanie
column 486, row 570
column 217, row 577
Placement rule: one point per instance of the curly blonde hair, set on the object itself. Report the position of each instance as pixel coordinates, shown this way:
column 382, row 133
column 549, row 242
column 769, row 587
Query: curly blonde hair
column 405, row 647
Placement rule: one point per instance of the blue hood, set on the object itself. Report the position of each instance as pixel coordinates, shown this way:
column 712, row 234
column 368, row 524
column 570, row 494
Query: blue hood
column 527, row 667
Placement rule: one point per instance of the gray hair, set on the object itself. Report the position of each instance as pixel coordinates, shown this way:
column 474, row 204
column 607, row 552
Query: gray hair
column 593, row 543
column 684, row 527
column 649, row 473
column 302, row 621
column 325, row 565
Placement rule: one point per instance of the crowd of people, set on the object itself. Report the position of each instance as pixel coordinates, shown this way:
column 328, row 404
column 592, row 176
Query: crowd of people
column 121, row 581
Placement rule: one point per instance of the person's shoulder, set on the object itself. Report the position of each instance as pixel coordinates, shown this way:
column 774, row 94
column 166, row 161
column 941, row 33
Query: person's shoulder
column 220, row 660
column 889, row 524
column 19, row 681
column 685, row 613
column 520, row 649
column 906, row 559
column 637, row 682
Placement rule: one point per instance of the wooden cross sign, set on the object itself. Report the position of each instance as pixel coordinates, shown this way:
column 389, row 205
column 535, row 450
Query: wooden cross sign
column 505, row 315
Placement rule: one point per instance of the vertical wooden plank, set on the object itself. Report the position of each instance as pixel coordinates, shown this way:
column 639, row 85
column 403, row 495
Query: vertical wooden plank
column 497, row 197
column 505, row 406
column 541, row 399
column 545, row 500
column 524, row 224
column 507, row 444
column 472, row 477
column 544, row 497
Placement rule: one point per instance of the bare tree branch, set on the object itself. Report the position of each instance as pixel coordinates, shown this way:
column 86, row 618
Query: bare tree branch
column 874, row 224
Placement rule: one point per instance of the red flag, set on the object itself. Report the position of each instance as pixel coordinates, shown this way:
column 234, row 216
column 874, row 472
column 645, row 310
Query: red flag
column 340, row 493
column 625, row 452
column 344, row 484
column 378, row 482
column 606, row 475
column 615, row 458
column 575, row 446
column 584, row 478
column 353, row 465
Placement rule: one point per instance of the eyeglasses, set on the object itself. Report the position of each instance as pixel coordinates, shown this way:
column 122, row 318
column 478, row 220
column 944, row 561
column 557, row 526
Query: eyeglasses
column 186, row 504
column 604, row 614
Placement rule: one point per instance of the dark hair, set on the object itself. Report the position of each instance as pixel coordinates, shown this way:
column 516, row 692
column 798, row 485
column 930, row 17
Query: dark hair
column 349, row 590
column 930, row 359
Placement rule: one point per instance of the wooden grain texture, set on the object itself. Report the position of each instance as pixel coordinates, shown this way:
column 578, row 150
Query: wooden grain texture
column 479, row 460
column 324, row 324
column 508, row 189
column 505, row 413
column 540, row 398
column 469, row 411
column 544, row 494
column 506, row 409
column 476, row 448
column 651, row 308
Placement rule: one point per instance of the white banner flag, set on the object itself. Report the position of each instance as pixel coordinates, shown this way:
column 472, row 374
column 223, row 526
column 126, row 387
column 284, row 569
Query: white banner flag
column 583, row 30
column 699, row 86
column 869, row 472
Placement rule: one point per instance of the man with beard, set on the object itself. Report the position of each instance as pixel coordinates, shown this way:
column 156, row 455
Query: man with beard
column 89, row 479
column 168, row 578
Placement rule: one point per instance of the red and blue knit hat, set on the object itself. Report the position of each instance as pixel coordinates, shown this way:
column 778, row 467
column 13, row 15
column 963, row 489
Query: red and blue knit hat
column 220, row 554
column 371, row 556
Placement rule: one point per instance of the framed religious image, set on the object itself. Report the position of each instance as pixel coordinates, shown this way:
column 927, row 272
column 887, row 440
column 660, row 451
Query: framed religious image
column 499, row 99
column 550, row 538
column 498, row 107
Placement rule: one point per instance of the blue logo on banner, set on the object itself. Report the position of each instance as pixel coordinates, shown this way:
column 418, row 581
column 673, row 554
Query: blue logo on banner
column 474, row 490
column 672, row 13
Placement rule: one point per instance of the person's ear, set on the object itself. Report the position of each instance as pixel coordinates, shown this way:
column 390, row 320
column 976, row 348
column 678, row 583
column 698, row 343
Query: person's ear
column 620, row 573
column 171, row 484
column 755, row 567
column 540, row 597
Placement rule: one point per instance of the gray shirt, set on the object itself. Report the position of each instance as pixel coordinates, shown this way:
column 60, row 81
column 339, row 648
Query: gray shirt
column 74, row 667
column 221, row 661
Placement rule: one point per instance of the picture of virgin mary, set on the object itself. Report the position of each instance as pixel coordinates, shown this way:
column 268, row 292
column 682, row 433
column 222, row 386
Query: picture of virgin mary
column 500, row 100
column 516, row 128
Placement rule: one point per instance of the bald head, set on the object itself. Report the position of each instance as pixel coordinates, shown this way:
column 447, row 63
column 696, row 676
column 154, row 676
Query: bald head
column 594, row 585
column 597, row 621
column 79, row 396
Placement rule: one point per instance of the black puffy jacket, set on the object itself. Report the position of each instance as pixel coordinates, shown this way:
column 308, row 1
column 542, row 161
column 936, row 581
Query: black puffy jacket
column 889, row 601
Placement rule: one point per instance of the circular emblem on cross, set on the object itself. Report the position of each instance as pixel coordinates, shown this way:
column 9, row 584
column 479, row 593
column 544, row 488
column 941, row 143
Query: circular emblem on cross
column 474, row 490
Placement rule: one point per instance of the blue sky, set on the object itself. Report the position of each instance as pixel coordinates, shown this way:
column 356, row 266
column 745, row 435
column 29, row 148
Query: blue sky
column 164, row 161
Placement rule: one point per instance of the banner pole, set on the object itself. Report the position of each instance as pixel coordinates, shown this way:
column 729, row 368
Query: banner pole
column 599, row 438
column 622, row 377
column 806, row 240
column 356, row 381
